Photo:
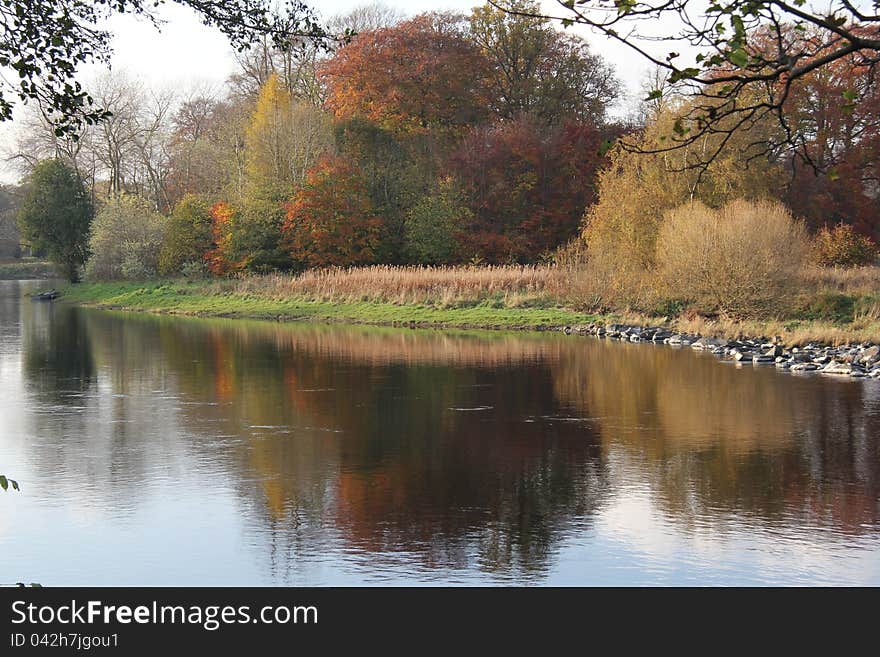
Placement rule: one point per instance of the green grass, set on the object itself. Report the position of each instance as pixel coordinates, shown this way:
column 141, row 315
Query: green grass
column 201, row 299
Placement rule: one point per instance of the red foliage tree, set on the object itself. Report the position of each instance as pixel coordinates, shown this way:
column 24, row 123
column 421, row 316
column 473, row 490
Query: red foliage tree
column 331, row 221
column 417, row 76
column 527, row 187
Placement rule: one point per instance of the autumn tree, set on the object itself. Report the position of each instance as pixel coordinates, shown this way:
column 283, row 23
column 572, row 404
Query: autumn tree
column 55, row 215
column 418, row 76
column 526, row 186
column 283, row 139
column 243, row 239
column 397, row 170
column 330, row 221
column 297, row 61
column 220, row 258
column 538, row 70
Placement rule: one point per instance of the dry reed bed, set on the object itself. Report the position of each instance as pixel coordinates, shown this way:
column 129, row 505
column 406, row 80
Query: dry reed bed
column 449, row 284
column 442, row 286
column 854, row 281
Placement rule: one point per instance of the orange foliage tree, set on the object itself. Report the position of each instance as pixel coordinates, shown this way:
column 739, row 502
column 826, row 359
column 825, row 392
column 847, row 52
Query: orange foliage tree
column 417, row 76
column 219, row 258
column 331, row 221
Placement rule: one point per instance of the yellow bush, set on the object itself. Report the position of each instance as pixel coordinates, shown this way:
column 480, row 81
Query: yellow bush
column 744, row 258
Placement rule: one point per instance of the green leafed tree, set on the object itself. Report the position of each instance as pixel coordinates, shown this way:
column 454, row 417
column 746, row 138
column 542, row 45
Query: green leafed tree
column 187, row 235
column 55, row 215
column 433, row 223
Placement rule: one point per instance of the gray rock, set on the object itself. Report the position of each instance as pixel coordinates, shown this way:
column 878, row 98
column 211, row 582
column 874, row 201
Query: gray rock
column 870, row 355
column 838, row 367
column 708, row 343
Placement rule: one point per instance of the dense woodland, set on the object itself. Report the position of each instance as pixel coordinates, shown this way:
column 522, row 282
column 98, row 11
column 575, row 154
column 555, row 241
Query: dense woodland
column 449, row 139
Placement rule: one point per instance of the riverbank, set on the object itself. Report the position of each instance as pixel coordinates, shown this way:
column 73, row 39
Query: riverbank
column 483, row 298
column 26, row 269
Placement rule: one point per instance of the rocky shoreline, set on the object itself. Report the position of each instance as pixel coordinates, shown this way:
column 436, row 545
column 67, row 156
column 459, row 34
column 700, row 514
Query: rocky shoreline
column 851, row 360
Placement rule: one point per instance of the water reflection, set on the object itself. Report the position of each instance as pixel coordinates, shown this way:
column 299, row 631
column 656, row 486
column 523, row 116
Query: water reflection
column 308, row 451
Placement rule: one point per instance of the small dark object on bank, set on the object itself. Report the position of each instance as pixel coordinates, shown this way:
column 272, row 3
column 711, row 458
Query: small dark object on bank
column 45, row 296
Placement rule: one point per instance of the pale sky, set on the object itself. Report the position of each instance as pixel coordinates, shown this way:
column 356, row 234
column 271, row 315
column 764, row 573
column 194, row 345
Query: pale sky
column 185, row 52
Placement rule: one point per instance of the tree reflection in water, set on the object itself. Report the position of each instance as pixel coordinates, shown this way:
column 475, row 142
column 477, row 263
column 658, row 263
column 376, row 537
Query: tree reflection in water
column 460, row 450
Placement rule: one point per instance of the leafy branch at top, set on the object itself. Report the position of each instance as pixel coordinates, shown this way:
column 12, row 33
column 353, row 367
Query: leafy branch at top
column 44, row 42
column 750, row 55
column 6, row 482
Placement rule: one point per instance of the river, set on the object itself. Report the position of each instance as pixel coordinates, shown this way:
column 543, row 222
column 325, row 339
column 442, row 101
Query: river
column 169, row 451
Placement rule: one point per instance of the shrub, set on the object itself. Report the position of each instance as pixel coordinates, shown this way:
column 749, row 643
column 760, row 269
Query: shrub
column 194, row 269
column 831, row 306
column 188, row 237
column 842, row 246
column 741, row 259
column 126, row 237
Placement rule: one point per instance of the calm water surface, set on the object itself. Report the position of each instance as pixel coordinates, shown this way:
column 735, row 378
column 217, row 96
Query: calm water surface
column 155, row 450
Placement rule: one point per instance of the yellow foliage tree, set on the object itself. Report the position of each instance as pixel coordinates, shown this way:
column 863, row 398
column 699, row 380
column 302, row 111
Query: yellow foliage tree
column 284, row 140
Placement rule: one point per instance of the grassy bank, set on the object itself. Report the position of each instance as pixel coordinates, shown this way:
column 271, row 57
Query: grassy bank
column 217, row 300
column 26, row 269
column 837, row 307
